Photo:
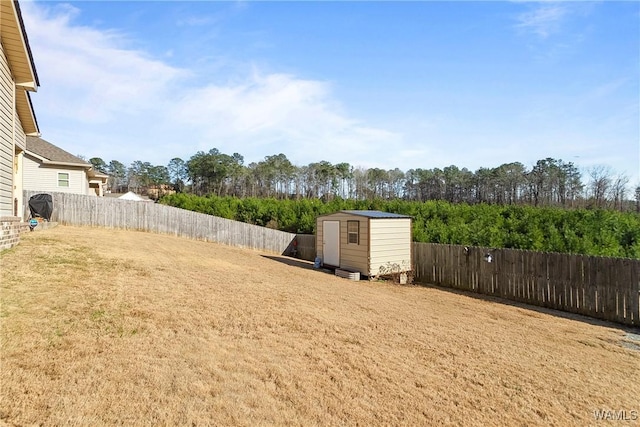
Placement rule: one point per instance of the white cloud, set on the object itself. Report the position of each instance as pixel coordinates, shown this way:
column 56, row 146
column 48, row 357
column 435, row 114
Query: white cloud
column 86, row 75
column 104, row 99
column 543, row 20
column 278, row 113
column 195, row 21
column 608, row 88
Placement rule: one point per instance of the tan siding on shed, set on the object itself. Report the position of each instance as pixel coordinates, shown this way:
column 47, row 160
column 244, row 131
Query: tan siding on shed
column 390, row 243
column 352, row 257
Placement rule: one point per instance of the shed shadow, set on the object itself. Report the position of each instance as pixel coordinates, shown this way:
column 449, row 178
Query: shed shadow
column 294, row 262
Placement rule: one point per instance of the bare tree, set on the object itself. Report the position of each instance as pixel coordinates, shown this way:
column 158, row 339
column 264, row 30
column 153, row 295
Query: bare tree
column 619, row 191
column 599, row 185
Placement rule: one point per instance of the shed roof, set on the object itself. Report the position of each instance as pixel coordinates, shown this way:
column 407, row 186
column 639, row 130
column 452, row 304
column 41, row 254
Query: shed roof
column 376, row 214
column 53, row 154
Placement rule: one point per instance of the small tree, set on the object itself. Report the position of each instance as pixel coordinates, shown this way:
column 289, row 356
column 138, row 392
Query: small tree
column 178, row 173
column 619, row 191
column 600, row 185
column 117, row 173
column 99, row 164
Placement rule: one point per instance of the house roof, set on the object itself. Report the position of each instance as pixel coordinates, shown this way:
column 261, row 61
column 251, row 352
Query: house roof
column 376, row 214
column 49, row 153
column 16, row 46
column 97, row 174
column 27, row 115
column 23, row 70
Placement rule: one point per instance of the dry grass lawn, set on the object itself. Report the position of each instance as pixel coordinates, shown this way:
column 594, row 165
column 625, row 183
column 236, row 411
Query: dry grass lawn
column 105, row 327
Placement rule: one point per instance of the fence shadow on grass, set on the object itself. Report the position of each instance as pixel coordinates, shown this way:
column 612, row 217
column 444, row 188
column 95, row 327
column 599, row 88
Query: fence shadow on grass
column 599, row 287
column 536, row 308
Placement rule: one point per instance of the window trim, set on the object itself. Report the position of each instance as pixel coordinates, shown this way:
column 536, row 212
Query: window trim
column 62, row 179
column 351, row 233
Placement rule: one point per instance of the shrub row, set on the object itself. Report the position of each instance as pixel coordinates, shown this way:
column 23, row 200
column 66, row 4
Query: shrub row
column 589, row 232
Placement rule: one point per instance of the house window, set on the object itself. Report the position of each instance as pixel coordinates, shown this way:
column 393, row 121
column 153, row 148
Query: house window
column 353, row 231
column 63, row 179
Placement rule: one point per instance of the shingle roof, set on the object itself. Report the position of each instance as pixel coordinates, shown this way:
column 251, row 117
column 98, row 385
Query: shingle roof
column 377, row 214
column 52, row 153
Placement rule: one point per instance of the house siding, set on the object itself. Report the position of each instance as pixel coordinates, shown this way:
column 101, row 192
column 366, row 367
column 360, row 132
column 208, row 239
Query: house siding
column 39, row 177
column 21, row 141
column 20, row 136
column 390, row 244
column 7, row 112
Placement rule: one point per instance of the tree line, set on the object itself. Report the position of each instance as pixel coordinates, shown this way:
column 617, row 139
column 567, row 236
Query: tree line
column 601, row 232
column 550, row 182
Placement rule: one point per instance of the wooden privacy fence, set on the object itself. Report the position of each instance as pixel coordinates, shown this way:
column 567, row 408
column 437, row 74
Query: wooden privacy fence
column 306, row 246
column 603, row 288
column 75, row 209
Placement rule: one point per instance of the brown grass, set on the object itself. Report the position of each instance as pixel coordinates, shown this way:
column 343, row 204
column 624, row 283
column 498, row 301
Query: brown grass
column 102, row 327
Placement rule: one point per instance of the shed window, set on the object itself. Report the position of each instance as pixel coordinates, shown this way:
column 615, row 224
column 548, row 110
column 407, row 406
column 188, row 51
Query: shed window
column 353, row 231
column 63, row 179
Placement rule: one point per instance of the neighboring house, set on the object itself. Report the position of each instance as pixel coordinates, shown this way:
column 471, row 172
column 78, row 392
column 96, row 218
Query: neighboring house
column 50, row 168
column 18, row 77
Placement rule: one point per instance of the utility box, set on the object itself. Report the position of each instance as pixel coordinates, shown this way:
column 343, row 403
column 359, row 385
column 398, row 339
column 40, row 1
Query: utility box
column 373, row 243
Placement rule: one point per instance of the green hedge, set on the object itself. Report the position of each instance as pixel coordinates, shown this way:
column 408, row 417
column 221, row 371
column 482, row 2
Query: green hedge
column 589, row 232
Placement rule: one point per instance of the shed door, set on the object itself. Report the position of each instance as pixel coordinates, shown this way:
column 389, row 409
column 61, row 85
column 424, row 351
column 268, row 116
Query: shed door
column 331, row 243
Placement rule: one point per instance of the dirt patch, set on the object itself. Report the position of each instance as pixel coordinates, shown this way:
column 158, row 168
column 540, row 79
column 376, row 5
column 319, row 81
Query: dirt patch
column 102, row 327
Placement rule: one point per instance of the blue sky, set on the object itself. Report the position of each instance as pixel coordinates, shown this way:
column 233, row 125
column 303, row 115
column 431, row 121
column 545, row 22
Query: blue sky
column 376, row 84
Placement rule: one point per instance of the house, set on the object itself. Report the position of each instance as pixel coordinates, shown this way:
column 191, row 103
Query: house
column 18, row 78
column 364, row 241
column 47, row 167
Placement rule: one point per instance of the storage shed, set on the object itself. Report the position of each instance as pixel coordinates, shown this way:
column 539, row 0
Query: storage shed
column 364, row 241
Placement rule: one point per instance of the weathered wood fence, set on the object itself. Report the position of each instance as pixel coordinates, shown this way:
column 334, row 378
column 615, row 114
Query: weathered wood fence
column 75, row 209
column 306, row 246
column 603, row 288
